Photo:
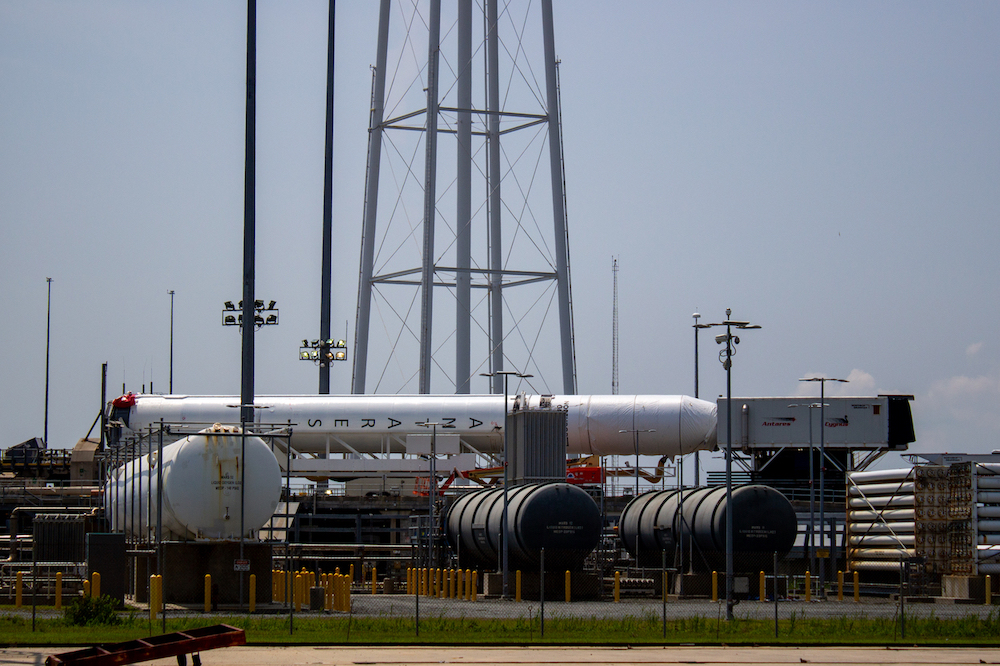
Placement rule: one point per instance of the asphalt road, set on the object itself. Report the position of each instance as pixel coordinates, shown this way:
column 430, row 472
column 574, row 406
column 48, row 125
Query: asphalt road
column 548, row 656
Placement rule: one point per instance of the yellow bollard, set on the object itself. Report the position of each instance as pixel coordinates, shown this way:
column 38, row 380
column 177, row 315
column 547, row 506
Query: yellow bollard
column 18, row 594
column 152, row 597
column 763, row 587
column 297, row 593
column 857, row 588
column 351, row 574
column 468, row 585
column 86, row 589
column 618, row 586
column 95, row 585
column 374, row 579
column 208, row 593
column 666, row 580
column 452, row 583
column 809, row 585
column 715, row 586
column 517, row 586
column 475, row 584
column 567, row 587
column 409, row 574
column 159, row 593
column 59, row 590
column 840, row 586
column 347, row 595
column 989, row 590
column 439, row 582
column 252, row 604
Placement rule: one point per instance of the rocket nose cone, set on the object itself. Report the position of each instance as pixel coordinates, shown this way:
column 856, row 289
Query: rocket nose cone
column 698, row 423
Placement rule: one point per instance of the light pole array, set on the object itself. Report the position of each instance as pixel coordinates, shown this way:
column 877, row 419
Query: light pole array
column 822, row 462
column 506, row 458
column 232, row 315
column 726, row 357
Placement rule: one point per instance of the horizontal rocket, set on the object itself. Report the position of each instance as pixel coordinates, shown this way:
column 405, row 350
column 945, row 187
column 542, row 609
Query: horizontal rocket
column 600, row 425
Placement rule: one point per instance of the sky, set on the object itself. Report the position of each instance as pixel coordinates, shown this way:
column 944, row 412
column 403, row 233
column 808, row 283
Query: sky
column 828, row 171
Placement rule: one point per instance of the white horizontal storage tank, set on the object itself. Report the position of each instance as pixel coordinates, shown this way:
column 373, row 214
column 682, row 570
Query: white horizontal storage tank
column 380, row 423
column 201, row 488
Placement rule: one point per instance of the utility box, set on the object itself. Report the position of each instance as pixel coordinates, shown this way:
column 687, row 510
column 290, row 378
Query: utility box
column 537, row 441
column 106, row 556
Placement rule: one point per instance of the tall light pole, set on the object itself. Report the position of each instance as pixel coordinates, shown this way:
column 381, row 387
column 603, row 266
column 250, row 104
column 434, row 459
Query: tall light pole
column 432, row 491
column 636, row 436
column 726, row 357
column 697, row 454
column 171, row 292
column 506, row 481
column 48, row 330
column 822, row 461
column 810, row 535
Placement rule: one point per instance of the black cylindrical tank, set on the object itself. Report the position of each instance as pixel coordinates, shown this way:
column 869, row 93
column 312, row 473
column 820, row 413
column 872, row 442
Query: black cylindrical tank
column 560, row 517
column 763, row 522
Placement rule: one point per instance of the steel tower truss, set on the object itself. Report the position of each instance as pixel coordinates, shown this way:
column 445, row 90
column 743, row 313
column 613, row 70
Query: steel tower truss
column 474, row 100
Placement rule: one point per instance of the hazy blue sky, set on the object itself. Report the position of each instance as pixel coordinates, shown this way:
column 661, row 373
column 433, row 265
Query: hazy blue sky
column 827, row 170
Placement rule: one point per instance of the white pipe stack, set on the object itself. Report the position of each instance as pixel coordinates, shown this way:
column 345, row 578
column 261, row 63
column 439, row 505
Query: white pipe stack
column 898, row 514
column 985, row 484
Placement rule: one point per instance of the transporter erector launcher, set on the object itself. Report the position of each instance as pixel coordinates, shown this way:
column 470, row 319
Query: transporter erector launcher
column 381, row 424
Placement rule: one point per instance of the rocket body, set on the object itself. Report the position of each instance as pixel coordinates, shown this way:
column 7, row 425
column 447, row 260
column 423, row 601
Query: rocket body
column 597, row 424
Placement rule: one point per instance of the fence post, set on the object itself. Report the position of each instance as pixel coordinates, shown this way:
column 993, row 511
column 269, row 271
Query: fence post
column 541, row 591
column 775, row 591
column 665, row 586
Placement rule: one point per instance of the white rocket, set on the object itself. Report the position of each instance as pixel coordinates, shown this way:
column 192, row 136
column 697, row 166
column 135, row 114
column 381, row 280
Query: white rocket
column 598, row 424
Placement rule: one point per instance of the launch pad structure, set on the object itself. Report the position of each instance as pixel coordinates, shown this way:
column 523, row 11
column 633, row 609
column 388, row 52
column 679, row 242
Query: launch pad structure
column 482, row 214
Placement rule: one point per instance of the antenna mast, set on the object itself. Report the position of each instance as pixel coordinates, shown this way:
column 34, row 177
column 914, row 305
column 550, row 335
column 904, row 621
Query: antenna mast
column 614, row 330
